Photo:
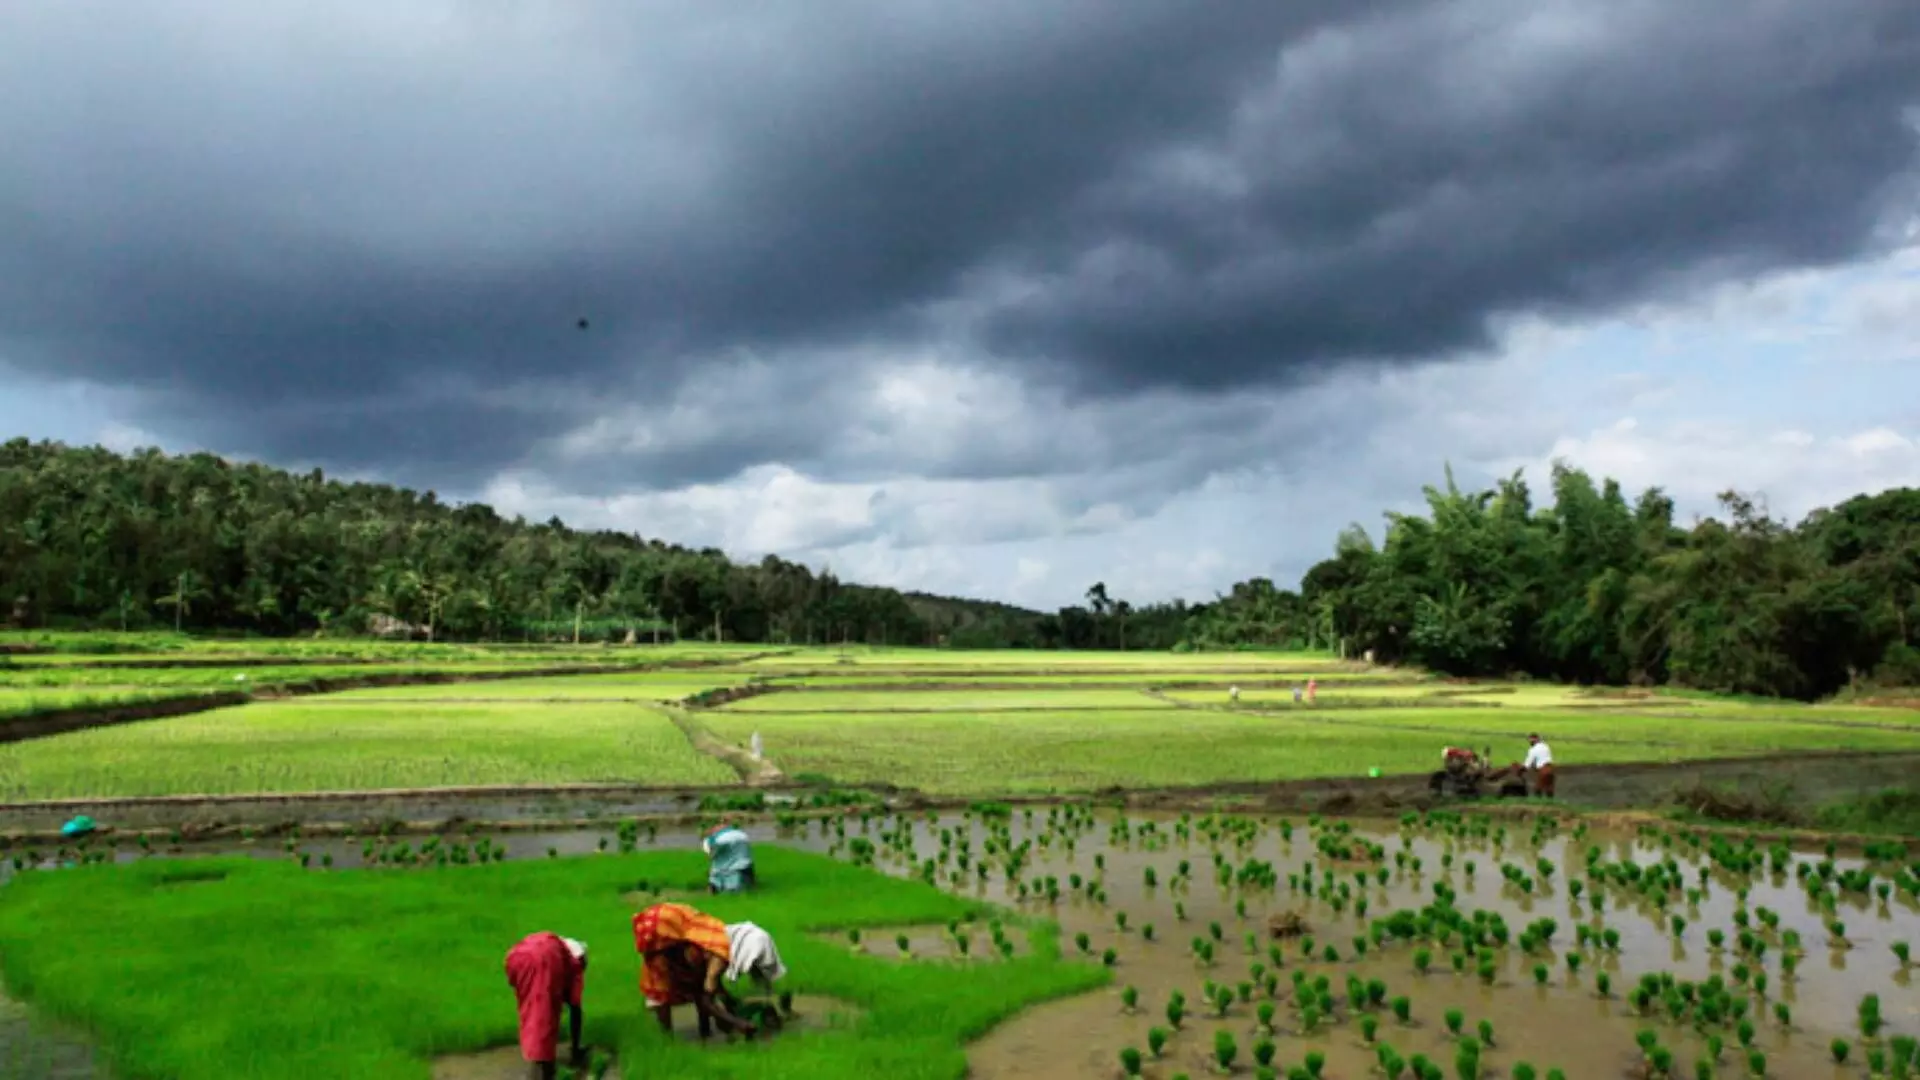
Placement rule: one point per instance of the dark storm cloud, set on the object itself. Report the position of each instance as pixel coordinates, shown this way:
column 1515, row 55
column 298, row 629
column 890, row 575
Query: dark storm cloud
column 363, row 237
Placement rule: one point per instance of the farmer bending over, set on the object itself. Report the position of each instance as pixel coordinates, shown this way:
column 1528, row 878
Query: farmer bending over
column 730, row 858
column 547, row 971
column 1539, row 762
column 684, row 953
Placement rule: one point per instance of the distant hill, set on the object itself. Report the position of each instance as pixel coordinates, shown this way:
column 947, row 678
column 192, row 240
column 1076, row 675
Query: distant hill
column 92, row 538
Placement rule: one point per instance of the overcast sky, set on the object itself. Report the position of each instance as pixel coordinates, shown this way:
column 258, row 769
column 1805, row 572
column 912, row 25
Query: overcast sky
column 995, row 298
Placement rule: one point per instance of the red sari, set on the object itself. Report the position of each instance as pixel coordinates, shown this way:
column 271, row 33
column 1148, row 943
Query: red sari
column 544, row 975
column 664, row 927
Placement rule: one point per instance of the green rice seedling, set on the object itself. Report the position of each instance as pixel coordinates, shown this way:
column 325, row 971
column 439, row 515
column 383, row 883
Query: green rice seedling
column 1466, row 1060
column 1146, row 931
column 1869, row 1016
column 1316, row 1063
column 1083, row 942
column 1540, row 974
column 1263, row 1051
column 1225, row 1050
column 1176, row 1010
column 1265, row 1015
column 1839, row 1048
column 1130, row 1061
column 1523, row 1071
column 191, row 933
column 1129, row 998
column 1903, row 953
column 1403, row 1009
column 1108, row 957
column 1603, row 984
column 1156, row 1040
column 1120, row 921
column 1756, row 1063
column 1454, row 1019
column 1422, row 960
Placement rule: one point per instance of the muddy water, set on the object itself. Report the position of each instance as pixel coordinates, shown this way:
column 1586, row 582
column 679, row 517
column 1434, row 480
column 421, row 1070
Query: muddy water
column 1563, row 1023
column 29, row 1047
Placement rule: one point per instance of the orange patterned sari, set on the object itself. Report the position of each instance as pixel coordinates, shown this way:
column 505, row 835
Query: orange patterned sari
column 660, row 928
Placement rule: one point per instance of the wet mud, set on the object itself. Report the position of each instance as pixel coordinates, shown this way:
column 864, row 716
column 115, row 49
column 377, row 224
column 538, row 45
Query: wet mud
column 1563, row 1022
column 500, row 1063
column 30, row 1046
column 939, row 944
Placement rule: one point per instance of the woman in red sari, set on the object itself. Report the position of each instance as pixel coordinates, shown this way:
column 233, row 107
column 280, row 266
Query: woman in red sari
column 546, row 972
column 684, row 954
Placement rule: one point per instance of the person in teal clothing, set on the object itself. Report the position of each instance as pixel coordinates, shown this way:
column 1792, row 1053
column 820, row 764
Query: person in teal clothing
column 729, row 858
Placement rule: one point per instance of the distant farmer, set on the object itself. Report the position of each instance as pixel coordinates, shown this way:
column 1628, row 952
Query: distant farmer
column 1296, row 693
column 547, row 971
column 759, row 750
column 1233, row 694
column 683, row 955
column 729, row 858
column 1539, row 762
column 1313, row 687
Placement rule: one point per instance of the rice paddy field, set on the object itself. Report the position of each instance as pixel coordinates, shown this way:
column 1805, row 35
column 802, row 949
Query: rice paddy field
column 1051, row 943
column 950, row 724
column 1061, row 939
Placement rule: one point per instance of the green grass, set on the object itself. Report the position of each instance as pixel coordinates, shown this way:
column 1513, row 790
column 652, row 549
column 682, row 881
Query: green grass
column 1092, row 677
column 314, row 746
column 642, row 686
column 1015, row 753
column 821, row 701
column 826, row 658
column 19, row 701
column 272, row 972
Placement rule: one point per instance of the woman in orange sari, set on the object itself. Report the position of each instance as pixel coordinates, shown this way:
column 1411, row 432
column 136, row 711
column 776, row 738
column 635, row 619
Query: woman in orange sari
column 684, row 953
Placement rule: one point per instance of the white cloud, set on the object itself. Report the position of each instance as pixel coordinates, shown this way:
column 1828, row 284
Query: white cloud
column 1795, row 471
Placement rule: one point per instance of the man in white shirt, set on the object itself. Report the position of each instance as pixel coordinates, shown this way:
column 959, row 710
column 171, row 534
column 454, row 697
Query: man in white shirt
column 1539, row 762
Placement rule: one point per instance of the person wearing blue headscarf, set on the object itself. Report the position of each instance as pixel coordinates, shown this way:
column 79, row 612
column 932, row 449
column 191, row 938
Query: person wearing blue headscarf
column 729, row 858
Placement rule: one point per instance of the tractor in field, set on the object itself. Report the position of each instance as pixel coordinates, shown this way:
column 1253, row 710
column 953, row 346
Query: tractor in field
column 1467, row 773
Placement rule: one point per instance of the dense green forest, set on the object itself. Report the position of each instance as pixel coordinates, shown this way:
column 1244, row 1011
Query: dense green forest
column 1594, row 588
column 90, row 538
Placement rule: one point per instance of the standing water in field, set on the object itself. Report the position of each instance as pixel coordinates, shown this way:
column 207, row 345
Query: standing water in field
column 1602, row 954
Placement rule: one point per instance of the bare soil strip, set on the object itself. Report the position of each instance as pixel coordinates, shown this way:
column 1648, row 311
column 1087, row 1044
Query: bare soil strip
column 754, row 772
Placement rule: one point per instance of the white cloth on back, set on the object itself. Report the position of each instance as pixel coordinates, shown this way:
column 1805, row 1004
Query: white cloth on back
column 753, row 953
column 1537, row 756
column 577, row 948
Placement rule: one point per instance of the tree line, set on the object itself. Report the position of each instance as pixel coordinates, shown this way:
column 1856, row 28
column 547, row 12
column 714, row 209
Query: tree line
column 94, row 539
column 1592, row 588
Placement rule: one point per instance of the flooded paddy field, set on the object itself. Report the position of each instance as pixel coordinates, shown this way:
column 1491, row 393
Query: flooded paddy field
column 1600, row 952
